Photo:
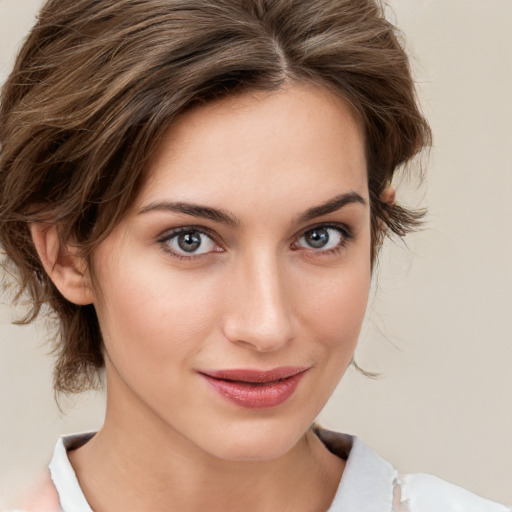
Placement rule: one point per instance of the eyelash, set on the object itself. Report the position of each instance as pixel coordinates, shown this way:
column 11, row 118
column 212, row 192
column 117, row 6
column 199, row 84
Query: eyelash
column 344, row 231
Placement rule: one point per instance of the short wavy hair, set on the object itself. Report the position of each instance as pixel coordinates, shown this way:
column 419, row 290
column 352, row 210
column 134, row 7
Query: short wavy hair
column 97, row 83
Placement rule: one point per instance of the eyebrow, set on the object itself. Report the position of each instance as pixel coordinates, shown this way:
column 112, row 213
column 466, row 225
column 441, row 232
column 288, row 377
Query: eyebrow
column 331, row 206
column 229, row 219
column 194, row 210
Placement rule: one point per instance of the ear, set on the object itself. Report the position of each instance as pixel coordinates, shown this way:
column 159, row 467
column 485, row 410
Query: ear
column 66, row 268
column 388, row 195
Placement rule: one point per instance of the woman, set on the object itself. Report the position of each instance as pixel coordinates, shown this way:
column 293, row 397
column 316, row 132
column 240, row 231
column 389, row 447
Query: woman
column 198, row 190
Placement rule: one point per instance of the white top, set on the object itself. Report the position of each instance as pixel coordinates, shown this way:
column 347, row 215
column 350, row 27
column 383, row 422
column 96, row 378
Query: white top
column 369, row 483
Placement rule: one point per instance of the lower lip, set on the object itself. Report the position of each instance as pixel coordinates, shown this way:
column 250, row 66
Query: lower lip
column 256, row 395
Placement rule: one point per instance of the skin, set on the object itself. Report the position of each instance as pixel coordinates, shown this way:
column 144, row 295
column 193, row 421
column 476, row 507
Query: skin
column 256, row 294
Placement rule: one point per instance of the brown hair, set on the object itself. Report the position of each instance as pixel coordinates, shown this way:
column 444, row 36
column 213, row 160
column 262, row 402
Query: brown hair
column 96, row 85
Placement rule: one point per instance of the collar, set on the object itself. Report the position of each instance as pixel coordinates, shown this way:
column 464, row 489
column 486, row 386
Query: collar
column 63, row 475
column 368, row 481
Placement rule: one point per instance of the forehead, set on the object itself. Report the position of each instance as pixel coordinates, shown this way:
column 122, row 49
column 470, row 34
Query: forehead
column 261, row 144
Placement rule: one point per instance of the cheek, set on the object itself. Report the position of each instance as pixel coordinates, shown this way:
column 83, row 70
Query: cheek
column 334, row 307
column 149, row 313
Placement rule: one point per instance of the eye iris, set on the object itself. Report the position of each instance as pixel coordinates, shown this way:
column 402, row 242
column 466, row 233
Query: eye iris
column 317, row 238
column 189, row 242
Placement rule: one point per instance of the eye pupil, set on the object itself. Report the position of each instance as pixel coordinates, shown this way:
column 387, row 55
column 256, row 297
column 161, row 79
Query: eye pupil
column 189, row 242
column 317, row 238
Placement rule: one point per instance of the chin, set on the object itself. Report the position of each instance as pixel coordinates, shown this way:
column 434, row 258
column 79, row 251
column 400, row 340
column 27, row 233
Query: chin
column 257, row 442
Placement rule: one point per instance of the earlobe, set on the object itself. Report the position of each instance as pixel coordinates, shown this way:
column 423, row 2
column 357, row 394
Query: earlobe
column 65, row 267
column 388, row 195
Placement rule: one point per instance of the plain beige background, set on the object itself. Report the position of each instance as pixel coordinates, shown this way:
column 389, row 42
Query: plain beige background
column 440, row 324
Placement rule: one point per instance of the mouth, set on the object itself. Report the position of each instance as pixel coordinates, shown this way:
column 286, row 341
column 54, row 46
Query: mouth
column 255, row 389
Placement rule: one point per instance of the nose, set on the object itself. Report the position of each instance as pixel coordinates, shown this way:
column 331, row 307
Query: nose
column 260, row 312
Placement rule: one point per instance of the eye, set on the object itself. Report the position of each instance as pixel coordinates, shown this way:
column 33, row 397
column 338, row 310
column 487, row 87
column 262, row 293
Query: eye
column 324, row 238
column 189, row 242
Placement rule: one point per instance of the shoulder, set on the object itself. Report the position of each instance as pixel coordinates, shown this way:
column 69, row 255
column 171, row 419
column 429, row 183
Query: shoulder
column 427, row 493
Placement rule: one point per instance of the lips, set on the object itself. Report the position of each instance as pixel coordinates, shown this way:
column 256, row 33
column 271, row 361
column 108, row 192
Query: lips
column 255, row 389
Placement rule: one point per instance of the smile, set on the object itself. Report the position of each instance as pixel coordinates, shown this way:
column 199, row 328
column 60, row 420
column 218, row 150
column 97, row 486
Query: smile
column 256, row 389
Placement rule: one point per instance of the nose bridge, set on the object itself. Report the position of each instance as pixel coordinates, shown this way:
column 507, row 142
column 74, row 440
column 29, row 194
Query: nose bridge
column 260, row 314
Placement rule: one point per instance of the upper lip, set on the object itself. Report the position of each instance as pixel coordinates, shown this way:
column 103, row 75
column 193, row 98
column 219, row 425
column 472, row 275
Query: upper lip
column 255, row 375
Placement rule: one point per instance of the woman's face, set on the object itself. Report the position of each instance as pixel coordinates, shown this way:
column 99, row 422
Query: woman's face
column 231, row 296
